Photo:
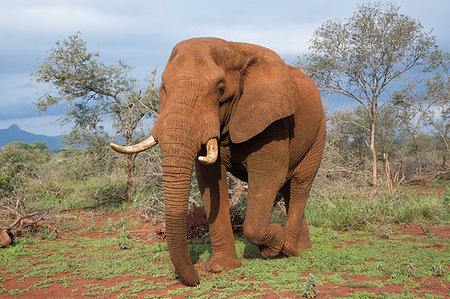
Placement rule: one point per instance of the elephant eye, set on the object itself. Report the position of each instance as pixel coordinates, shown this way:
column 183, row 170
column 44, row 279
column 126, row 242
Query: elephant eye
column 221, row 89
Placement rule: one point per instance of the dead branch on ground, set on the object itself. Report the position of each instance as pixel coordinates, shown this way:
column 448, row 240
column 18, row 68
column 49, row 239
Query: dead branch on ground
column 21, row 224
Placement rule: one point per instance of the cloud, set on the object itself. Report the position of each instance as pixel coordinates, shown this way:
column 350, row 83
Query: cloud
column 42, row 16
column 17, row 89
column 286, row 40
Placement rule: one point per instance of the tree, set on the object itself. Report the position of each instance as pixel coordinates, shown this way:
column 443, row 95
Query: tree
column 95, row 93
column 362, row 56
column 420, row 101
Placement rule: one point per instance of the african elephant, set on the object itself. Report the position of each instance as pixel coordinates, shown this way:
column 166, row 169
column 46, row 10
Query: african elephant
column 236, row 107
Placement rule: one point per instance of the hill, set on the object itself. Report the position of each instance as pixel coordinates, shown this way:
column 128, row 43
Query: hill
column 14, row 133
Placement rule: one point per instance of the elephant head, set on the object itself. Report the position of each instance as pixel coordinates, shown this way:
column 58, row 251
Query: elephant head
column 210, row 88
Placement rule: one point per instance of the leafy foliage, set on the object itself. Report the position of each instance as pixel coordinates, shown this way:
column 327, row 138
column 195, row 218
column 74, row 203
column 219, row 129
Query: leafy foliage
column 94, row 91
column 362, row 56
column 18, row 160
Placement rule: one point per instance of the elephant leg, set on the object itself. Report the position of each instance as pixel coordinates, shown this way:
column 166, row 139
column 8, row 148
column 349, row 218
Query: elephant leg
column 296, row 227
column 267, row 171
column 213, row 186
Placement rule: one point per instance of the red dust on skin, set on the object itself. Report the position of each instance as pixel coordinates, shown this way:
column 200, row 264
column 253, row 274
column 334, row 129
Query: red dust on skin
column 329, row 290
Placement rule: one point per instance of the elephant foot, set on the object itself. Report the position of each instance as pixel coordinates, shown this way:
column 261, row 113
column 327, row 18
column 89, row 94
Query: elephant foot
column 304, row 242
column 269, row 250
column 276, row 244
column 290, row 249
column 217, row 264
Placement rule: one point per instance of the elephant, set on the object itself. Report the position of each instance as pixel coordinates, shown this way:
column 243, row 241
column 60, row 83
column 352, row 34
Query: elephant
column 236, row 107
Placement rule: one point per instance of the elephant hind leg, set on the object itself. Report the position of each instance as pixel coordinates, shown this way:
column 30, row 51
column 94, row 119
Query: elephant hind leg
column 266, row 176
column 296, row 227
column 257, row 227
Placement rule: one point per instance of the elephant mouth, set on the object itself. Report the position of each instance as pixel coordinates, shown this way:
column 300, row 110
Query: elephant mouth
column 212, row 149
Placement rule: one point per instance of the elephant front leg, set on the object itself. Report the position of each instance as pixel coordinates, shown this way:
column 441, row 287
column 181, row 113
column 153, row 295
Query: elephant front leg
column 213, row 186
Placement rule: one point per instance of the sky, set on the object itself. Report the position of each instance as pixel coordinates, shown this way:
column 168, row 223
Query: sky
column 143, row 32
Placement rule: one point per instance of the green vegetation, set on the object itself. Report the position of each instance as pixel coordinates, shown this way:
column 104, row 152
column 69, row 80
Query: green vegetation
column 356, row 259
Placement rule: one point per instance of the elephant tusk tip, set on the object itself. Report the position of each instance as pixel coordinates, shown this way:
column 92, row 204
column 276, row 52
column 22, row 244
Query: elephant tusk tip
column 207, row 160
column 115, row 147
column 212, row 152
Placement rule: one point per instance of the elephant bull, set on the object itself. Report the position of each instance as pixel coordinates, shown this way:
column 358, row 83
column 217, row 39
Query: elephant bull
column 236, row 107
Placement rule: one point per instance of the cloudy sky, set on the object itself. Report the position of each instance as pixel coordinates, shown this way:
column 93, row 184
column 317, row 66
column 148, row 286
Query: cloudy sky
column 143, row 32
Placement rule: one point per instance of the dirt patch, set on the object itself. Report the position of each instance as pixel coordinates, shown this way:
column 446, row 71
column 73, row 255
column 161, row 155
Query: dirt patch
column 332, row 290
column 417, row 230
column 434, row 285
column 434, row 246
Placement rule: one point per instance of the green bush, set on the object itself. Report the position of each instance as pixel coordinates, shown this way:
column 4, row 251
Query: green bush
column 346, row 209
column 19, row 160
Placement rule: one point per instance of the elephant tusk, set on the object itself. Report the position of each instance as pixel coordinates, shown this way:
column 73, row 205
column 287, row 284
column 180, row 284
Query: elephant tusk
column 212, row 151
column 134, row 149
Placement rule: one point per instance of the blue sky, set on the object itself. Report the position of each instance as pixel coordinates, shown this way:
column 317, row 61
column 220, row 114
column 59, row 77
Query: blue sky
column 143, row 32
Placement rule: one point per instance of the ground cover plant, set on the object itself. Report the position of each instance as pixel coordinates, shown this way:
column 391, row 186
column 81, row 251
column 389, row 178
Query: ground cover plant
column 122, row 257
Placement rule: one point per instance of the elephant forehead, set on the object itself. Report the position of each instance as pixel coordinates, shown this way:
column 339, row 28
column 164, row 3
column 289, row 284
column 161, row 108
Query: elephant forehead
column 192, row 61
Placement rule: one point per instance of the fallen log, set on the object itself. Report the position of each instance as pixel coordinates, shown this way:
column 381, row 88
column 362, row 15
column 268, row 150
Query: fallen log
column 20, row 224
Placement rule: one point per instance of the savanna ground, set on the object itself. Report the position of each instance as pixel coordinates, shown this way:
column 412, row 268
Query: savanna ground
column 114, row 252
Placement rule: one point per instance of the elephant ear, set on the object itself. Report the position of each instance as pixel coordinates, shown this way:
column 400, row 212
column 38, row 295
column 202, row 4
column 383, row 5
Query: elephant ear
column 268, row 93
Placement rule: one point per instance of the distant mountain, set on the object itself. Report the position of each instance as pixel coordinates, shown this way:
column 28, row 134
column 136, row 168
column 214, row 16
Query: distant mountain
column 14, row 133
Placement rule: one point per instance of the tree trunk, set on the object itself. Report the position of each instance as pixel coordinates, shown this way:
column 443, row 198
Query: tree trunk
column 416, row 153
column 374, row 154
column 131, row 165
column 365, row 155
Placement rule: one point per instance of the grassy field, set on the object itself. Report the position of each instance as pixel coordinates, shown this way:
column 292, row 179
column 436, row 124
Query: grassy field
column 114, row 254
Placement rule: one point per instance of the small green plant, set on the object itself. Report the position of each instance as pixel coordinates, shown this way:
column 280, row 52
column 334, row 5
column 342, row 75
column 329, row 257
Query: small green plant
column 430, row 235
column 124, row 239
column 310, row 290
column 438, row 271
column 380, row 267
column 386, row 233
column 109, row 229
column 334, row 236
column 411, row 270
column 92, row 227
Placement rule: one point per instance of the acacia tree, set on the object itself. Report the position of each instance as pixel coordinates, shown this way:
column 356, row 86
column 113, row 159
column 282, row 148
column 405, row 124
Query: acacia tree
column 95, row 93
column 420, row 101
column 360, row 57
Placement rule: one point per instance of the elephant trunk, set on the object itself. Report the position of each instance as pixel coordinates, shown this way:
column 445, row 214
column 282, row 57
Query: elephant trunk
column 178, row 155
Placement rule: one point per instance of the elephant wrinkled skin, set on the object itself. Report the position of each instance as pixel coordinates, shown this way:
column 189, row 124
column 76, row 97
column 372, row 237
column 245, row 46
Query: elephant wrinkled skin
column 236, row 107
